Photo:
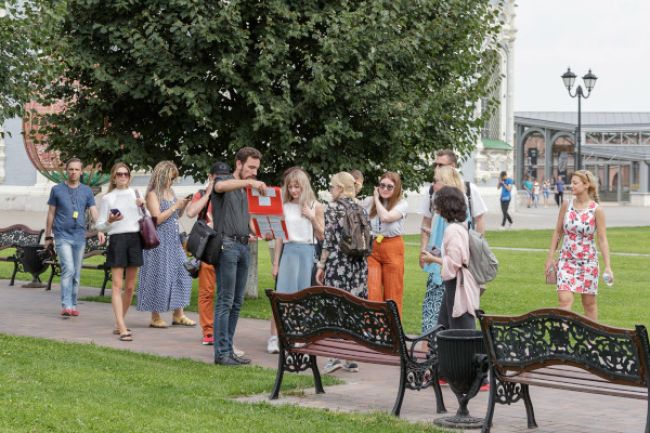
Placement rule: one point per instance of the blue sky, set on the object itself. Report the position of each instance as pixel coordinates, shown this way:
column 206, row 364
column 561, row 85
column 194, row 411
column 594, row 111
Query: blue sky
column 612, row 37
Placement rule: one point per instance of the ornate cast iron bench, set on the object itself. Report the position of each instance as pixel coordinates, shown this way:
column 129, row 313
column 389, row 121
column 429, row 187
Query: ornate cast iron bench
column 559, row 349
column 93, row 248
column 325, row 321
column 14, row 236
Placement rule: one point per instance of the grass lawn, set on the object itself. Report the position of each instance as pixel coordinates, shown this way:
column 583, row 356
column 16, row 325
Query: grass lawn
column 49, row 386
column 519, row 287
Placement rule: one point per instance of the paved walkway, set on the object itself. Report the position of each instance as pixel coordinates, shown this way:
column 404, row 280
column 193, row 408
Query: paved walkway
column 34, row 312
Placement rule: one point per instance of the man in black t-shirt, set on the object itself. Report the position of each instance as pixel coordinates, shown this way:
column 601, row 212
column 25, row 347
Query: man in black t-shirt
column 232, row 268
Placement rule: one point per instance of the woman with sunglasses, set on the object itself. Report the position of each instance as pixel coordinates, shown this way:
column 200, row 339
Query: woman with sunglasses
column 164, row 283
column 387, row 210
column 118, row 217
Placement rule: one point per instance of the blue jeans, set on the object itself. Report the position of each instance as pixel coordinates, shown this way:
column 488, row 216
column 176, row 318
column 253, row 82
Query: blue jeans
column 70, row 254
column 232, row 272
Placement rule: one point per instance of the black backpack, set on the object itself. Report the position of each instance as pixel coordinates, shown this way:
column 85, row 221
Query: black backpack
column 356, row 240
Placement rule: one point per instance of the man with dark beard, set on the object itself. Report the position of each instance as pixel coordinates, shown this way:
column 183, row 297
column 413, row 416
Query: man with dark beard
column 232, row 268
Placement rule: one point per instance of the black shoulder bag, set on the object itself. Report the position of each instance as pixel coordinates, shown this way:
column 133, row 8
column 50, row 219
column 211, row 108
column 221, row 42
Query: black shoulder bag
column 204, row 242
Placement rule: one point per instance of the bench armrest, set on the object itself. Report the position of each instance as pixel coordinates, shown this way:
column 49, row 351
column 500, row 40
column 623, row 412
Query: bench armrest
column 424, row 337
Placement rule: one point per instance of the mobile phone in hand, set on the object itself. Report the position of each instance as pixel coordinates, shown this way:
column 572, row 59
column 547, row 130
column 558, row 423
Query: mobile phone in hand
column 435, row 251
column 115, row 212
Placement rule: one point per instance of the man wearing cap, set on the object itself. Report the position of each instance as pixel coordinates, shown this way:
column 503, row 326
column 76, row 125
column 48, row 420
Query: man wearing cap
column 232, row 268
column 202, row 207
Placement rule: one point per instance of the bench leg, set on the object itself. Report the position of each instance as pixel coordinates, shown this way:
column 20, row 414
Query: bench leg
column 440, row 402
column 487, row 423
column 530, row 414
column 107, row 277
column 49, row 280
column 279, row 375
column 13, row 275
column 318, row 384
column 397, row 408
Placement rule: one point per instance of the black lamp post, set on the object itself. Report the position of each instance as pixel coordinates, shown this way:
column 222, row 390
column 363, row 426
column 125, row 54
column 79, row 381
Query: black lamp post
column 590, row 81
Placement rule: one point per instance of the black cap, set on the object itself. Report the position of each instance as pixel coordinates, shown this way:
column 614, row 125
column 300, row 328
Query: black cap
column 220, row 168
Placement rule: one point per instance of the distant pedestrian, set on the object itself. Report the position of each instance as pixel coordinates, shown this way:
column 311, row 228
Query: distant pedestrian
column 164, row 284
column 528, row 187
column 505, row 185
column 66, row 220
column 118, row 217
column 579, row 222
column 536, row 192
column 546, row 190
column 559, row 190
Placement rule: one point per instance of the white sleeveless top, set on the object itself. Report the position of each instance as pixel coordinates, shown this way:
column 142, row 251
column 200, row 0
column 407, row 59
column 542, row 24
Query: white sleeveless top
column 299, row 228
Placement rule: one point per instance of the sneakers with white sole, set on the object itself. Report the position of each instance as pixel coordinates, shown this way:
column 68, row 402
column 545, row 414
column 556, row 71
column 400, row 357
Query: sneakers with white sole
column 272, row 345
column 238, row 352
column 332, row 365
column 351, row 366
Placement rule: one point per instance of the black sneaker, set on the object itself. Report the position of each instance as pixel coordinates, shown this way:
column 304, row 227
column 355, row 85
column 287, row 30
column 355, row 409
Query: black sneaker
column 240, row 359
column 226, row 360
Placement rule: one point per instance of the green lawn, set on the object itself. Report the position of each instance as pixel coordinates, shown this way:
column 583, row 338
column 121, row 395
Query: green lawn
column 49, row 386
column 518, row 288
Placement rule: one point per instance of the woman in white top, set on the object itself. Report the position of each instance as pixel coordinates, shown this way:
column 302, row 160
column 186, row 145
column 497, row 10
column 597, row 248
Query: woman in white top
column 294, row 258
column 119, row 216
column 387, row 210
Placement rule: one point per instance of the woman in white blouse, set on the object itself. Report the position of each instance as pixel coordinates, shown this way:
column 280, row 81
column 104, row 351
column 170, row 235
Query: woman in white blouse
column 387, row 210
column 119, row 216
column 294, row 257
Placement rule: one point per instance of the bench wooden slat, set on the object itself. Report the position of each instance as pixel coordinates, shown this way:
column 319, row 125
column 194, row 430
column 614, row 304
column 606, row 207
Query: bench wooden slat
column 332, row 345
column 538, row 378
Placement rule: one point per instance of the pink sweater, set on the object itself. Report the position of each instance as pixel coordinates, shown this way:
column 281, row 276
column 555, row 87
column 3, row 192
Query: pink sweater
column 455, row 247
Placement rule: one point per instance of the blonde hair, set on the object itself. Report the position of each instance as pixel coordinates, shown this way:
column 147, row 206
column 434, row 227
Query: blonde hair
column 345, row 181
column 449, row 176
column 297, row 175
column 161, row 179
column 589, row 179
column 358, row 180
column 112, row 184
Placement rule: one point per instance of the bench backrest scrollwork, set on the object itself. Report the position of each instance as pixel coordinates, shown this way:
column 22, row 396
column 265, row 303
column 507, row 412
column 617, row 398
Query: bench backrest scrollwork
column 551, row 336
column 328, row 312
column 19, row 235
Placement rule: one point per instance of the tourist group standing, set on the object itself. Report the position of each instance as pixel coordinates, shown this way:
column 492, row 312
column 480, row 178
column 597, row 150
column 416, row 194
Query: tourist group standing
column 314, row 252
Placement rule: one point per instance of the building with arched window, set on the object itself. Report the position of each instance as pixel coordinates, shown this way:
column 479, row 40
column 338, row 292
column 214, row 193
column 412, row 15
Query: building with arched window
column 615, row 147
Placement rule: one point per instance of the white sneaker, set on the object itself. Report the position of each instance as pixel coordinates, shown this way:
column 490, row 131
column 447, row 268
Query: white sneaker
column 238, row 352
column 332, row 365
column 351, row 366
column 272, row 345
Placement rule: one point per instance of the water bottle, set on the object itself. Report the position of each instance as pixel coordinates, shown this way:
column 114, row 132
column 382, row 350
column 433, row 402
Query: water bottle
column 607, row 278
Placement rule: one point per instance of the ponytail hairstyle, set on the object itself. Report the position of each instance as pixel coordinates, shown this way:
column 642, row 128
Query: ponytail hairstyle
column 345, row 181
column 589, row 179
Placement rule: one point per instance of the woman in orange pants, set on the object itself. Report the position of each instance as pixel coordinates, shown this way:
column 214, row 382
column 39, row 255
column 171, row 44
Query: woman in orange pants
column 387, row 210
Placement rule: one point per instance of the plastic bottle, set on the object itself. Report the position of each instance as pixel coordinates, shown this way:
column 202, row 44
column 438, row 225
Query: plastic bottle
column 607, row 278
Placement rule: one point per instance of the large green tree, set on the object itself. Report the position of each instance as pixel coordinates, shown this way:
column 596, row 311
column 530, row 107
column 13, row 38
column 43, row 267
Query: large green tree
column 329, row 84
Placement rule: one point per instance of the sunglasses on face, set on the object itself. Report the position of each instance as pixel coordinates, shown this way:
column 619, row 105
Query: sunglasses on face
column 386, row 186
column 122, row 174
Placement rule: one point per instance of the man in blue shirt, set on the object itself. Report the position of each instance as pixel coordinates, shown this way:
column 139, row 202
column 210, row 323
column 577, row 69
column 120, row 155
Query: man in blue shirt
column 66, row 219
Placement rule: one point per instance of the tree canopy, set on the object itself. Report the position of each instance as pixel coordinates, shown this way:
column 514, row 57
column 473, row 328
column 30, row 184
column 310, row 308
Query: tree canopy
column 328, row 85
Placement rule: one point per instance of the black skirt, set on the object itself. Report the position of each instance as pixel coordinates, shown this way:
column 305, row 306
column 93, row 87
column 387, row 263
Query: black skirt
column 124, row 251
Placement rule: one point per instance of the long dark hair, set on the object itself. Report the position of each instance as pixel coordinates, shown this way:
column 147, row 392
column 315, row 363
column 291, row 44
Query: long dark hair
column 450, row 204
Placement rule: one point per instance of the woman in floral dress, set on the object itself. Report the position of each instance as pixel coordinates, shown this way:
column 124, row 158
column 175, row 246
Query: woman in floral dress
column 580, row 220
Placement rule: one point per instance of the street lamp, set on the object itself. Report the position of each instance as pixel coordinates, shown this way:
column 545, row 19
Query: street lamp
column 589, row 80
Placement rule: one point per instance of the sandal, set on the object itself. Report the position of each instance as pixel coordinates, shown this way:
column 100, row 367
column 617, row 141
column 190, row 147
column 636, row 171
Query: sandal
column 183, row 321
column 126, row 337
column 116, row 331
column 158, row 323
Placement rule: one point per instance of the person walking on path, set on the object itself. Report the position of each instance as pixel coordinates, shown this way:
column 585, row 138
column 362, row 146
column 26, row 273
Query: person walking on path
column 559, row 190
column 335, row 268
column 293, row 260
column 546, row 189
column 118, row 217
column 66, row 227
column 447, row 157
column 528, row 187
column 164, row 284
column 580, row 221
column 505, row 185
column 201, row 207
column 444, row 176
column 536, row 192
column 232, row 266
column 387, row 210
